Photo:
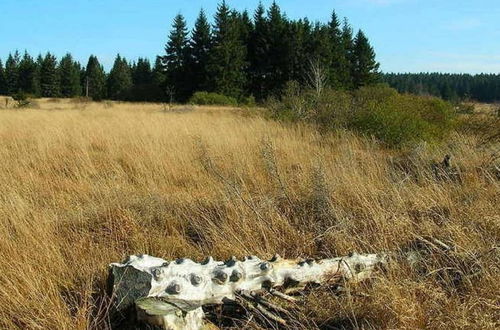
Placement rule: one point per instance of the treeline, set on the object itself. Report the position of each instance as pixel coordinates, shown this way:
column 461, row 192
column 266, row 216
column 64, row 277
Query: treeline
column 452, row 87
column 238, row 56
column 45, row 76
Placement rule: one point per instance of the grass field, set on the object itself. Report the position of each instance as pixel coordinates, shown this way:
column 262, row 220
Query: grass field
column 86, row 184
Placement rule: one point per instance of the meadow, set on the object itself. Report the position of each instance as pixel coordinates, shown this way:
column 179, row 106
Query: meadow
column 85, row 184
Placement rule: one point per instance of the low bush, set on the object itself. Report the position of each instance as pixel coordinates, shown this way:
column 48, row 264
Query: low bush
column 248, row 101
column 400, row 119
column 465, row 108
column 22, row 99
column 294, row 104
column 206, row 98
column 485, row 128
column 379, row 111
column 81, row 99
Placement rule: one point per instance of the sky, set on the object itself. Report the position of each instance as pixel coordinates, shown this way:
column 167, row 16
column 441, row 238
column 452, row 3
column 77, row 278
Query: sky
column 459, row 36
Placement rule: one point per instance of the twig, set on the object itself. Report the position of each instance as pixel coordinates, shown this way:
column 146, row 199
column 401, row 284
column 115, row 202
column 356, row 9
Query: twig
column 282, row 295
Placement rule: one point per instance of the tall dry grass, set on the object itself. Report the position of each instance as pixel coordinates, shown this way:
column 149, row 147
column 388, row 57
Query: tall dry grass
column 93, row 183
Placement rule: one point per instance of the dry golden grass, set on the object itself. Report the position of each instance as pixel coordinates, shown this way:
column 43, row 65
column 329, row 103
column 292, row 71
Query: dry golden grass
column 486, row 108
column 93, row 183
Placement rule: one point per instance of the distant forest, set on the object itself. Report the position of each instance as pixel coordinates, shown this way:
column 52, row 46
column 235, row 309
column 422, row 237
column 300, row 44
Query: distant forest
column 240, row 55
column 452, row 87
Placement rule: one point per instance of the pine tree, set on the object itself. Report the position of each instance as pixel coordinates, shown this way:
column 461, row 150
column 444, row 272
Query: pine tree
column 321, row 46
column 83, row 79
column 37, row 82
column 176, row 59
column 365, row 68
column 119, row 79
column 226, row 69
column 27, row 75
column 258, row 54
column 159, row 72
column 200, row 46
column 81, row 74
column 297, row 34
column 346, row 72
column 141, row 73
column 69, row 77
column 159, row 80
column 245, row 30
column 95, row 77
column 245, row 26
column 3, row 83
column 339, row 72
column 49, row 78
column 278, row 64
column 12, row 73
column 144, row 88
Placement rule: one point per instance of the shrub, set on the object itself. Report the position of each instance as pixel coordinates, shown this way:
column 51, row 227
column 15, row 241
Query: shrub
column 81, row 99
column 22, row 99
column 205, row 98
column 248, row 101
column 380, row 111
column 465, row 108
column 294, row 104
column 485, row 128
column 400, row 119
column 333, row 109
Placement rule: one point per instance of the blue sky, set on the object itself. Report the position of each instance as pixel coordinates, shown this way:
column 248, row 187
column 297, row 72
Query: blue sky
column 408, row 35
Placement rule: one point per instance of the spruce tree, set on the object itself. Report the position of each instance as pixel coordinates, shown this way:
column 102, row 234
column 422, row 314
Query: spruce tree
column 245, row 30
column 81, row 74
column 245, row 26
column 95, row 79
column 39, row 61
column 159, row 72
column 83, row 79
column 27, row 75
column 143, row 88
column 159, row 80
column 69, row 77
column 346, row 73
column 339, row 69
column 297, row 35
column 176, row 59
column 3, row 84
column 141, row 73
column 278, row 64
column 49, row 78
column 12, row 73
column 200, row 46
column 119, row 79
column 226, row 69
column 365, row 67
column 320, row 44
column 258, row 54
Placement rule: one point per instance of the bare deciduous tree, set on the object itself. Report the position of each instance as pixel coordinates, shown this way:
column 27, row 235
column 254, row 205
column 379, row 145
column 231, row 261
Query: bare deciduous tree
column 170, row 91
column 316, row 76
